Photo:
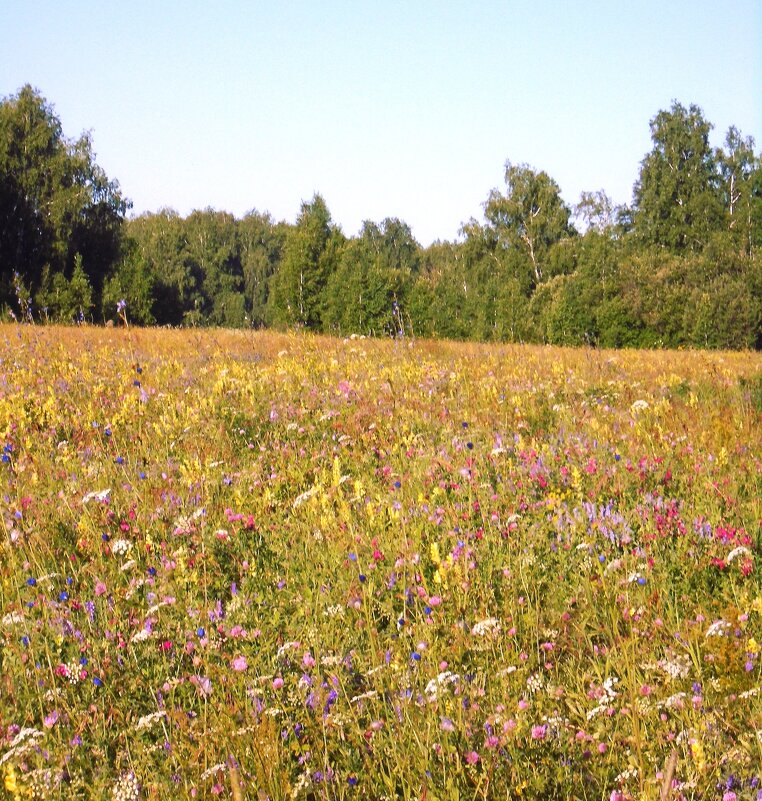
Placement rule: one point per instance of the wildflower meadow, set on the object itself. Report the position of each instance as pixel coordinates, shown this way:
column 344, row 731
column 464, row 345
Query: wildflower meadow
column 280, row 566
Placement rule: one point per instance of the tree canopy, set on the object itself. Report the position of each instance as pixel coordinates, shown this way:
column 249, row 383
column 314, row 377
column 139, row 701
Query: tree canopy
column 677, row 267
column 58, row 209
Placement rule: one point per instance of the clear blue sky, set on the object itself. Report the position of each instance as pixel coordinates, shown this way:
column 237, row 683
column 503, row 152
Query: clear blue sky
column 407, row 109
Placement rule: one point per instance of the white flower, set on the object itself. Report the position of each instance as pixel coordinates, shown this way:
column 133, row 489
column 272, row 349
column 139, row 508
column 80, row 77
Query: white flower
column 736, row 552
column 364, row 696
column 718, row 629
column 675, row 701
column 676, row 668
column 101, row 496
column 148, row 720
column 305, row 496
column 24, row 742
column 488, row 627
column 213, row 770
column 639, row 406
column 140, row 636
column 608, row 687
column 442, row 680
column 121, row 547
column 535, row 683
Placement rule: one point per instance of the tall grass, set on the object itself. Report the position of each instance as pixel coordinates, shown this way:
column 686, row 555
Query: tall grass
column 258, row 566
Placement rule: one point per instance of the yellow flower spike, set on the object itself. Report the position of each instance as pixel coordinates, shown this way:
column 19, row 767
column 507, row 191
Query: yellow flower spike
column 752, row 646
column 699, row 757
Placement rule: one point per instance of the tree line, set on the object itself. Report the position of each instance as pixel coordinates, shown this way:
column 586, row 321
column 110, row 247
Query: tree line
column 679, row 266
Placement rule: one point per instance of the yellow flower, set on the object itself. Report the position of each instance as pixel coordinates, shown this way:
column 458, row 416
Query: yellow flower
column 752, row 646
column 699, row 757
column 11, row 784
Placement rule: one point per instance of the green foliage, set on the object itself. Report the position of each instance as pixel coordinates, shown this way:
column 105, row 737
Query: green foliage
column 134, row 283
column 261, row 243
column 364, row 294
column 309, row 257
column 211, row 252
column 65, row 301
column 679, row 268
column 56, row 203
column 531, row 216
column 678, row 202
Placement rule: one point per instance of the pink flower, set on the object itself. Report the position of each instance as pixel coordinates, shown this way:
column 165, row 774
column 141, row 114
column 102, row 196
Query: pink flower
column 203, row 685
column 240, row 663
column 539, row 732
column 472, row 757
column 100, row 587
column 277, row 683
column 51, row 719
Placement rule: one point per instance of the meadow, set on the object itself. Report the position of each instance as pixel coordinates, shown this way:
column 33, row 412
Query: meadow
column 279, row 566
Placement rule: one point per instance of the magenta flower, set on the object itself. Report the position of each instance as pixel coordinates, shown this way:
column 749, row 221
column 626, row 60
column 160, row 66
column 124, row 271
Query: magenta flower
column 539, row 732
column 472, row 757
column 240, row 663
